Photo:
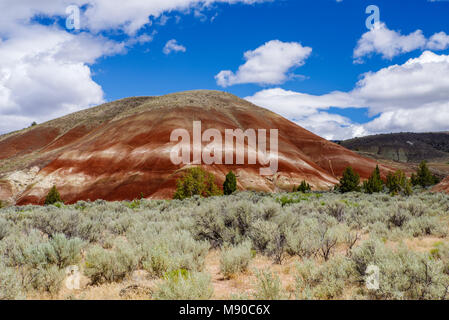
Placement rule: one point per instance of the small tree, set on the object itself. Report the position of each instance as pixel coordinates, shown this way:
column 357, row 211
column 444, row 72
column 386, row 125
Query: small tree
column 374, row 183
column 230, row 184
column 398, row 183
column 423, row 176
column 196, row 181
column 304, row 187
column 350, row 181
column 53, row 196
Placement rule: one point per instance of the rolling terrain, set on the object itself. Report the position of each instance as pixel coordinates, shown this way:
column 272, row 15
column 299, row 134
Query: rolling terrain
column 121, row 150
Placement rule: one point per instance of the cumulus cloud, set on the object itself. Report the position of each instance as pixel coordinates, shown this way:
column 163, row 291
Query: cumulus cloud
column 268, row 64
column 45, row 71
column 390, row 43
column 173, row 46
column 413, row 96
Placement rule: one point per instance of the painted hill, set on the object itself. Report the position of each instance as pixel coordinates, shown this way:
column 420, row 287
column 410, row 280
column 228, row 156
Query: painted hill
column 121, row 150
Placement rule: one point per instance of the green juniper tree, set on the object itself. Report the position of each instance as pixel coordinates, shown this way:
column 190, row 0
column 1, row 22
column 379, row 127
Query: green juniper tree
column 303, row 187
column 397, row 183
column 350, row 181
column 53, row 196
column 230, row 184
column 423, row 176
column 374, row 183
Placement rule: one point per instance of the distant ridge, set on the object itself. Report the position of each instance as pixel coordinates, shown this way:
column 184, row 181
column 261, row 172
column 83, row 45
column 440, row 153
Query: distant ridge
column 402, row 147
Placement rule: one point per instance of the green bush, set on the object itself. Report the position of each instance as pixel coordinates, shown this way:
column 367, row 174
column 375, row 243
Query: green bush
column 398, row 183
column 235, row 259
column 230, row 184
column 303, row 187
column 374, row 183
column 196, row 181
column 184, row 286
column 350, row 181
column 53, row 196
column 110, row 265
column 10, row 286
column 48, row 279
column 323, row 280
column 423, row 176
column 404, row 274
column 268, row 287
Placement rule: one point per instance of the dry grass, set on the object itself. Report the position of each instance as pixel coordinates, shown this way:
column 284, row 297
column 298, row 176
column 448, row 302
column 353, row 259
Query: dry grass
column 139, row 286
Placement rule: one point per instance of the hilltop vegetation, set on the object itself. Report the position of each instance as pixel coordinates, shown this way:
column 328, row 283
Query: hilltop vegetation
column 245, row 245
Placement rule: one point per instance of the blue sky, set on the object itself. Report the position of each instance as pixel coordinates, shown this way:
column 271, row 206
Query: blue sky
column 324, row 69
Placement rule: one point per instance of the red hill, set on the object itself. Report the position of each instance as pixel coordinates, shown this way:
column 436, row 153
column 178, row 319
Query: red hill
column 121, row 150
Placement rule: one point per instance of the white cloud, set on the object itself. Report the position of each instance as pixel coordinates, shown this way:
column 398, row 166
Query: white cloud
column 390, row 43
column 268, row 64
column 413, row 96
column 173, row 46
column 45, row 71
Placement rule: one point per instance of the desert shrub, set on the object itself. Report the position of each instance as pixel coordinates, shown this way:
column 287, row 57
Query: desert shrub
column 15, row 249
column 5, row 227
column 173, row 251
column 51, row 221
column 398, row 183
column 196, row 181
column 66, row 251
column 48, row 279
column 425, row 226
column 235, row 259
column 230, row 184
column 303, row 187
column 350, row 181
column 53, row 196
column 336, row 210
column 184, row 286
column 262, row 233
column 157, row 261
column 229, row 222
column 404, row 274
column 303, row 239
column 268, row 286
column 110, row 265
column 323, row 280
column 10, row 285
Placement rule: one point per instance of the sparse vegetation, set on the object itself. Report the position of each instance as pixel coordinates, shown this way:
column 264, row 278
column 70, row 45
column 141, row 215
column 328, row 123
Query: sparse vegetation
column 185, row 286
column 235, row 259
column 316, row 246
